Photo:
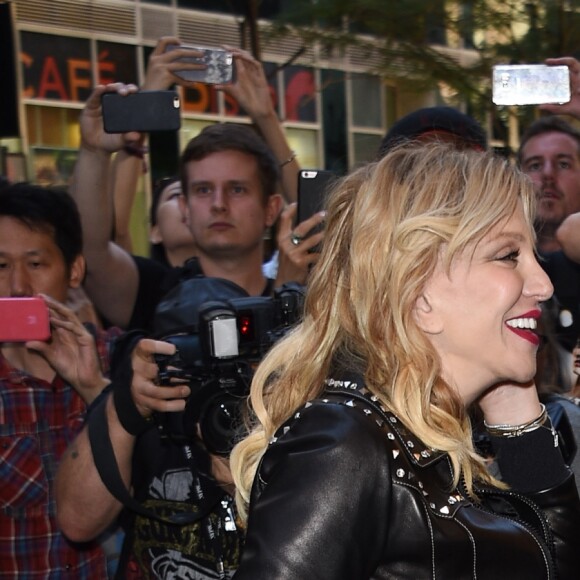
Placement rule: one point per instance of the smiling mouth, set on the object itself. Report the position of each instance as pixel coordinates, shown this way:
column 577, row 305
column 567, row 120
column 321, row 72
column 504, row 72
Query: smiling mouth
column 525, row 327
column 529, row 323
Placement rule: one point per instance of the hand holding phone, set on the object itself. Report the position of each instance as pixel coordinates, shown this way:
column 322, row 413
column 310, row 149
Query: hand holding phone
column 297, row 251
column 217, row 64
column 313, row 187
column 530, row 84
column 71, row 350
column 24, row 319
column 573, row 106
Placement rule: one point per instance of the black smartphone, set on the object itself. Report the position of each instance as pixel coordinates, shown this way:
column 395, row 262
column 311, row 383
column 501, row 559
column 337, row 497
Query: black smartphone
column 313, row 188
column 219, row 65
column 144, row 111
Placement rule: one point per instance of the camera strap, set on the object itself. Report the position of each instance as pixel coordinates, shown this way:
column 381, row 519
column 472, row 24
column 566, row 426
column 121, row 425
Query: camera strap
column 108, row 469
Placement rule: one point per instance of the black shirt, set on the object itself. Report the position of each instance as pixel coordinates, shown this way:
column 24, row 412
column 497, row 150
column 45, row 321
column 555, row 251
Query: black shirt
column 155, row 281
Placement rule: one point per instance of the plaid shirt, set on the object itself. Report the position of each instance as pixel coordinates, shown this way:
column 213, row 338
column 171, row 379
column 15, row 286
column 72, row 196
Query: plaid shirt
column 37, row 422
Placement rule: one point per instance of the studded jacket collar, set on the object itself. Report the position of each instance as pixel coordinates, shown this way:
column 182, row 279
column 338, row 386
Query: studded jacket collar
column 346, row 491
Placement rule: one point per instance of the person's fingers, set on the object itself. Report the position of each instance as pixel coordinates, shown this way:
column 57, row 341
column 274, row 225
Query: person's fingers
column 304, row 227
column 159, row 398
column 67, row 330
column 286, row 221
column 63, row 317
column 551, row 108
column 160, row 393
column 569, row 61
column 61, row 311
column 94, row 101
column 147, row 347
column 240, row 53
column 37, row 345
column 163, row 42
column 147, row 394
column 121, row 88
column 311, row 242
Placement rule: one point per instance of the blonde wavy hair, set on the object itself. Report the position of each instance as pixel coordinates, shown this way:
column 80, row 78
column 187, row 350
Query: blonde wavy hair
column 387, row 225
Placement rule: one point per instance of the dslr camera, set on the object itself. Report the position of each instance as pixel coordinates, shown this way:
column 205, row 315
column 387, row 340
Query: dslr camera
column 216, row 358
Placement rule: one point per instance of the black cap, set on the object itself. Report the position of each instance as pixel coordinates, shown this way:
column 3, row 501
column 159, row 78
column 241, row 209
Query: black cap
column 430, row 119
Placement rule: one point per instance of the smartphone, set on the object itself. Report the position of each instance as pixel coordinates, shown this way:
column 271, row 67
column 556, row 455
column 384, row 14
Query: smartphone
column 313, row 188
column 530, row 84
column 23, row 319
column 219, row 65
column 144, row 111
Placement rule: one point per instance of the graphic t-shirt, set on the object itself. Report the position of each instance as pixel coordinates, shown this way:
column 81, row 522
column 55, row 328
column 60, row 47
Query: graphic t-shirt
column 177, row 484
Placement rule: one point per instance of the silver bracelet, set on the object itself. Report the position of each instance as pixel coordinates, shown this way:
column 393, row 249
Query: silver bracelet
column 518, row 430
column 289, row 160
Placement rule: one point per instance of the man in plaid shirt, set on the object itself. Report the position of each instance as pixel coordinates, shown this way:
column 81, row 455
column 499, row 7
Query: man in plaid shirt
column 44, row 386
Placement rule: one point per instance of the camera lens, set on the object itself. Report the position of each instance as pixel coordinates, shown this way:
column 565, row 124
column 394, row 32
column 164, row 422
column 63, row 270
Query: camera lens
column 220, row 422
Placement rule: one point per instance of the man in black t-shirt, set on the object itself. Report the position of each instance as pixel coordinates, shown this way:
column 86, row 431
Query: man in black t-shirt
column 229, row 179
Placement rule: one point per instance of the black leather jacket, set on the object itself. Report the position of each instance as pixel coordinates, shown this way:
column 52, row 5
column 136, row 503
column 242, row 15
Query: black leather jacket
column 345, row 491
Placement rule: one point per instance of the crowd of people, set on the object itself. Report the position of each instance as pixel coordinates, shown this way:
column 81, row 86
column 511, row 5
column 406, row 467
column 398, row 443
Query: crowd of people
column 419, row 420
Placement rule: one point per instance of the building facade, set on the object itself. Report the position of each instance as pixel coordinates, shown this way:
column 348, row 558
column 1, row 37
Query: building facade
column 334, row 111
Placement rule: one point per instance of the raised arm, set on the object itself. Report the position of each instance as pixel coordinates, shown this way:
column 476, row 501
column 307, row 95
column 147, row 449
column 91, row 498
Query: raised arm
column 252, row 92
column 85, row 507
column 128, row 166
column 130, row 161
column 112, row 277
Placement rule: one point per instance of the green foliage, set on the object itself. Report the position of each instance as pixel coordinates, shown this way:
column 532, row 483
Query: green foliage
column 407, row 35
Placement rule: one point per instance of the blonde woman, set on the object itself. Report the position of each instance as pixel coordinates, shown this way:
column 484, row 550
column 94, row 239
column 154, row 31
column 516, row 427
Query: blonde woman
column 360, row 462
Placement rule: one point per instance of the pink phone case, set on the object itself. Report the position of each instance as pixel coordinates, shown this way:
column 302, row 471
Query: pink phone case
column 23, row 319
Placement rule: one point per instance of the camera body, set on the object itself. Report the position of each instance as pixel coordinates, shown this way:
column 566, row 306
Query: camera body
column 217, row 362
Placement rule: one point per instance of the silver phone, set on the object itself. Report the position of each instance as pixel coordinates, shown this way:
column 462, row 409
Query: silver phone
column 530, row 84
column 219, row 65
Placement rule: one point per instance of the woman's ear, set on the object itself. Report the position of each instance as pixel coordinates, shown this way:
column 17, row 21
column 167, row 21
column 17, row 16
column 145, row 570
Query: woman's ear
column 426, row 316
